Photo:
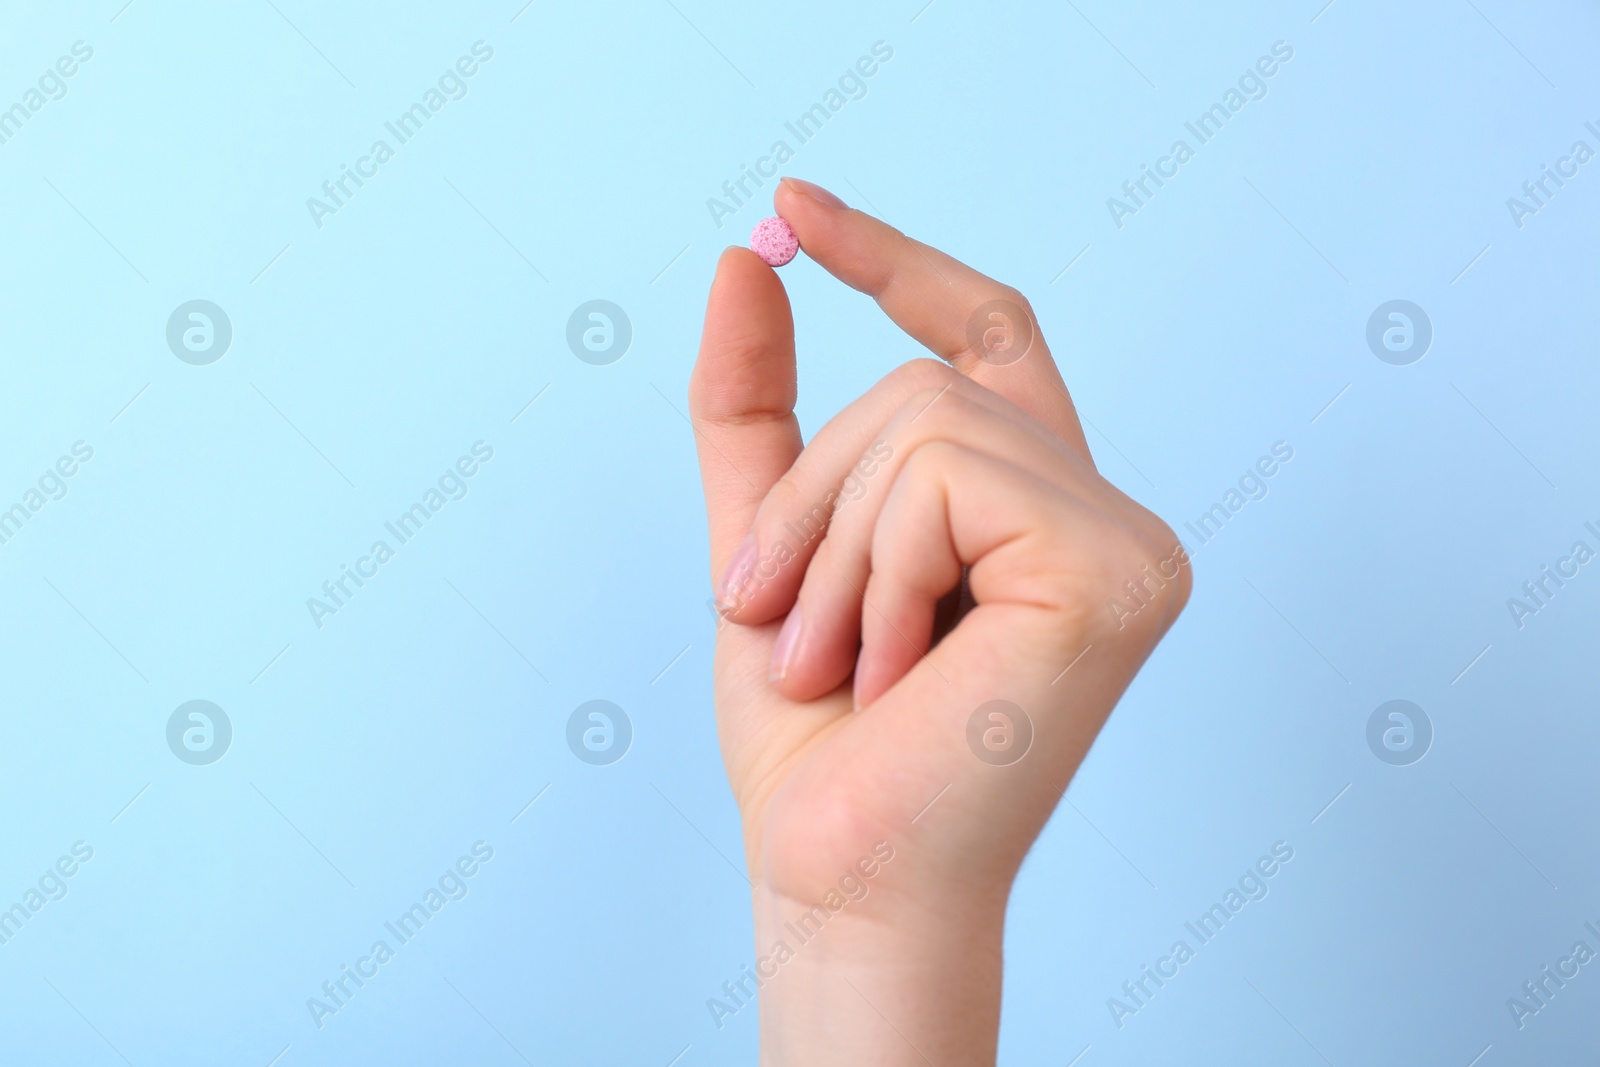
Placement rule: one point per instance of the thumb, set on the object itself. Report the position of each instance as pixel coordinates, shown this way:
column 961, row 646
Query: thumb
column 741, row 398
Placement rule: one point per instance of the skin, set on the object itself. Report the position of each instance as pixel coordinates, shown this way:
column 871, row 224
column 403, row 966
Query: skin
column 843, row 695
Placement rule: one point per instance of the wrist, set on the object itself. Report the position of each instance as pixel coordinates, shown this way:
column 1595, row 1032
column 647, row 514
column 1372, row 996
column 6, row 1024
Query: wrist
column 872, row 975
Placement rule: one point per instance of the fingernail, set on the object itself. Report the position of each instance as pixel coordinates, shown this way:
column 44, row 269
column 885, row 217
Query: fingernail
column 784, row 648
column 737, row 576
column 815, row 192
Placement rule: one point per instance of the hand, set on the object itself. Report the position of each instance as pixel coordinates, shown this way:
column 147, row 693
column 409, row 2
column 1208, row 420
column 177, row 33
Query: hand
column 844, row 725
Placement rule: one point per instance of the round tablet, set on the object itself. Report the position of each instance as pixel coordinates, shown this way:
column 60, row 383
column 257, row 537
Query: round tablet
column 774, row 241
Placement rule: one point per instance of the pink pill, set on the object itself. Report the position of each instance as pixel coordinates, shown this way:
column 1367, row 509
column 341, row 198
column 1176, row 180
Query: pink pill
column 774, row 241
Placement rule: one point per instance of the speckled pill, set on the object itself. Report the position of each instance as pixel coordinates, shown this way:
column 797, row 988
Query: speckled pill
column 774, row 241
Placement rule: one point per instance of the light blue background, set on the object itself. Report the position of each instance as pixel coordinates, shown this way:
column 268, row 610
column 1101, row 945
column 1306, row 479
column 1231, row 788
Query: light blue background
column 423, row 317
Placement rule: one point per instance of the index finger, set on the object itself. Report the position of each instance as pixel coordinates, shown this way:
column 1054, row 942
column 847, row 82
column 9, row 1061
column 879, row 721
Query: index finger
column 985, row 329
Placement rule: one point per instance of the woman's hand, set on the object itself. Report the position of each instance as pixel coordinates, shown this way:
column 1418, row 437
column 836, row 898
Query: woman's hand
column 849, row 735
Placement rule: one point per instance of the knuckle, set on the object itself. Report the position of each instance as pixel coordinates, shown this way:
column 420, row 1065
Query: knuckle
column 1122, row 576
column 794, row 511
column 782, row 499
column 823, row 588
column 921, row 374
column 1016, row 296
column 928, row 411
column 916, row 403
column 1001, row 327
column 929, row 458
column 1147, row 577
column 1001, row 293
